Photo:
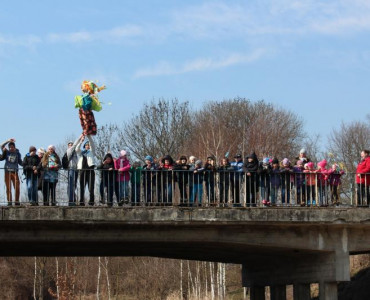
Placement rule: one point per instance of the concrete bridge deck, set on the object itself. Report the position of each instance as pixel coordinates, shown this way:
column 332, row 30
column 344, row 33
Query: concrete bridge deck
column 276, row 246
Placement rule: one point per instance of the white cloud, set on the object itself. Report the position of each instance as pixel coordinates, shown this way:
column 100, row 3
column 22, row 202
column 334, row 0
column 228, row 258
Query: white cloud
column 114, row 34
column 28, row 41
column 202, row 64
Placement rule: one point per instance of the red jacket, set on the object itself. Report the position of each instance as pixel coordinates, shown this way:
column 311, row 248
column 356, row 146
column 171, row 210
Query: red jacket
column 362, row 169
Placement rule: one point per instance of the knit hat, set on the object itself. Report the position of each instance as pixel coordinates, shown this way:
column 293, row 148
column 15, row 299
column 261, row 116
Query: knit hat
column 275, row 161
column 310, row 165
column 299, row 162
column 303, row 151
column 266, row 160
column 238, row 156
column 183, row 157
column 51, row 147
column 322, row 164
column 286, row 162
column 123, row 153
column 192, row 157
column 198, row 162
column 148, row 157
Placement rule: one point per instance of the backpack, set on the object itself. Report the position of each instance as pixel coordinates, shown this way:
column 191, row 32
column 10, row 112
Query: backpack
column 65, row 160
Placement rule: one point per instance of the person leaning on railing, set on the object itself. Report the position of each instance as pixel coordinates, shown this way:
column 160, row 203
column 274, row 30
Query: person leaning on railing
column 12, row 159
column 363, row 178
column 51, row 164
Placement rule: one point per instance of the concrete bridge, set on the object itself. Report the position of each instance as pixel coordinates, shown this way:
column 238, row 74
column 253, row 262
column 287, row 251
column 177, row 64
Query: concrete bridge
column 276, row 246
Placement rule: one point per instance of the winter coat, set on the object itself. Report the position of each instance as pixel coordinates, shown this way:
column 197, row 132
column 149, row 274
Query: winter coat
column 123, row 168
column 183, row 175
column 90, row 155
column 334, row 177
column 224, row 173
column 299, row 177
column 12, row 160
column 275, row 178
column 50, row 163
column 363, row 168
column 149, row 174
column 28, row 163
column 107, row 176
column 210, row 173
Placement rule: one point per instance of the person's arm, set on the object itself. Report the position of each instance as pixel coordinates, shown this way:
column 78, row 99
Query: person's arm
column 74, row 146
column 19, row 156
column 5, row 143
column 92, row 144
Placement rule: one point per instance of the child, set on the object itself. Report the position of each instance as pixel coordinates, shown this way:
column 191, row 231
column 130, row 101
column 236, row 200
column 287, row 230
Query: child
column 322, row 182
column 149, row 178
column 251, row 168
column 182, row 178
column 122, row 165
column 165, row 178
column 198, row 171
column 286, row 172
column 236, row 179
column 209, row 177
column 309, row 169
column 264, row 171
column 224, row 183
column 135, row 172
column 275, row 180
column 107, row 178
column 334, row 181
column 299, row 183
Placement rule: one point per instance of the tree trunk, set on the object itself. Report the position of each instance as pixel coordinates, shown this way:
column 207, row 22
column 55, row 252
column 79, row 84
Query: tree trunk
column 98, row 283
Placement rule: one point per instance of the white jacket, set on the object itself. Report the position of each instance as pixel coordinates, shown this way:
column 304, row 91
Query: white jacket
column 90, row 156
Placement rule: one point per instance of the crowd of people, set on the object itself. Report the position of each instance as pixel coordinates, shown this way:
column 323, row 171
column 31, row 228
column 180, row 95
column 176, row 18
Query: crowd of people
column 225, row 183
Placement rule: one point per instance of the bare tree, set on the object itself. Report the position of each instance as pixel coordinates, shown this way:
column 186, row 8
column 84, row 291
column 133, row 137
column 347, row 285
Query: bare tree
column 242, row 126
column 348, row 141
column 161, row 127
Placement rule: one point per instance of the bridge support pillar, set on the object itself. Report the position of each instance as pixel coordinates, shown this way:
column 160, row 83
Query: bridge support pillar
column 278, row 292
column 257, row 293
column 328, row 291
column 301, row 291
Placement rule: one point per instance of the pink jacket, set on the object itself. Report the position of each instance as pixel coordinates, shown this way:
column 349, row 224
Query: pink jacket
column 123, row 168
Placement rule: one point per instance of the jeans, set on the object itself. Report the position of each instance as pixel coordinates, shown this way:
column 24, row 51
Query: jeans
column 197, row 190
column 72, row 184
column 32, row 189
column 122, row 190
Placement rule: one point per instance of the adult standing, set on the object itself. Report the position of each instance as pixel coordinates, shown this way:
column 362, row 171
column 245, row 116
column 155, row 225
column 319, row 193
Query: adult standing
column 70, row 161
column 50, row 163
column 86, row 164
column 31, row 169
column 12, row 158
column 363, row 178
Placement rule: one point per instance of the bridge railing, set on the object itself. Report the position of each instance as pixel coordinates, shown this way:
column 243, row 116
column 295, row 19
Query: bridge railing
column 184, row 188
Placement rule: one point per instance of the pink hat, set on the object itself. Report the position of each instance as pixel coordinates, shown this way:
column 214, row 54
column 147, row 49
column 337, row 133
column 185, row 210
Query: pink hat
column 322, row 164
column 286, row 162
column 123, row 153
column 310, row 165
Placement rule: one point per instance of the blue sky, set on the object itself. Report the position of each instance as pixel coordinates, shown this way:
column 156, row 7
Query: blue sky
column 309, row 57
